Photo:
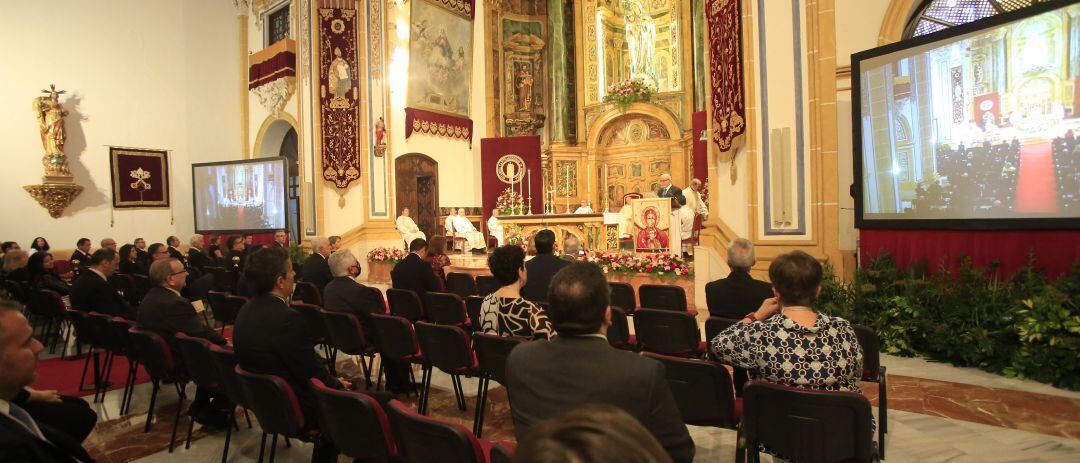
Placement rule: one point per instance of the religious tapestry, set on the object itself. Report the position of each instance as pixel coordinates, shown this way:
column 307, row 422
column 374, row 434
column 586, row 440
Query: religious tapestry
column 440, row 69
column 652, row 219
column 726, row 72
column 339, row 96
column 140, row 178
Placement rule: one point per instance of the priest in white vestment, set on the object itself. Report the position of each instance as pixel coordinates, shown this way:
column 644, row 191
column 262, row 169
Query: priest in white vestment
column 495, row 228
column 585, row 208
column 408, row 229
column 463, row 228
column 694, row 200
column 626, row 218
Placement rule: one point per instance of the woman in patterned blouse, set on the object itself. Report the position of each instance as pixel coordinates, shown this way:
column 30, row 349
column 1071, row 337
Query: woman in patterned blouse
column 786, row 342
column 504, row 312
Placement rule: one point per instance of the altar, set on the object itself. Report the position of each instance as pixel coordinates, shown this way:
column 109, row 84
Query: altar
column 592, row 230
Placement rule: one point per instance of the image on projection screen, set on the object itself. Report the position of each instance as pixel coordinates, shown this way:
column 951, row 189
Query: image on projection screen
column 979, row 126
column 240, row 196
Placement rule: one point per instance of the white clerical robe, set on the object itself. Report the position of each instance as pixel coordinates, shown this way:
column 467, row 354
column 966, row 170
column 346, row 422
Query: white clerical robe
column 675, row 232
column 463, row 228
column 408, row 229
column 584, row 210
column 495, row 229
column 694, row 202
column 626, row 220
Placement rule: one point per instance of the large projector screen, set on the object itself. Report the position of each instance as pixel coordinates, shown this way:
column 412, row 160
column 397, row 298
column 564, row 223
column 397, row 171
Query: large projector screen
column 974, row 127
column 240, row 196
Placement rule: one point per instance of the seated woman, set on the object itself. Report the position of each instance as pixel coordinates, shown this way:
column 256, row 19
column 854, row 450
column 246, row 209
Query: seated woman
column 786, row 342
column 15, row 262
column 504, row 312
column 40, row 244
column 43, row 275
column 437, row 258
column 129, row 260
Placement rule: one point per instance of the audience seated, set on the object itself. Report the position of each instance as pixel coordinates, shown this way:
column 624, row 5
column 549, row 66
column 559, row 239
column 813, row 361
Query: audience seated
column 234, row 253
column 1066, row 152
column 108, row 243
column 547, row 378
column 335, row 242
column 43, row 275
column 437, row 259
column 7, row 246
column 344, row 293
column 164, row 311
column 281, row 239
column 214, row 250
column 249, row 245
column 92, row 292
column 504, row 312
column 786, row 342
column 157, row 251
column 571, row 249
column 542, row 267
column 195, row 255
column 315, row 270
column 594, row 433
column 40, row 244
column 143, row 256
column 978, row 180
column 15, row 262
column 412, row 273
column 174, row 249
column 738, row 294
column 129, row 261
column 80, row 258
column 23, row 437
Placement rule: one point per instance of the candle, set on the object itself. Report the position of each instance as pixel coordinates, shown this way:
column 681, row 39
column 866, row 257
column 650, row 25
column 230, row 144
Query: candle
column 529, row 204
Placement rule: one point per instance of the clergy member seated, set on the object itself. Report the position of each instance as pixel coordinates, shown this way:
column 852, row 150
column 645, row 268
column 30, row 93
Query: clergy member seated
column 585, row 208
column 195, row 255
column 413, row 273
column 80, row 259
column 92, row 292
column 22, row 437
column 548, row 378
column 463, row 228
column 495, row 228
column 542, row 267
column 316, row 270
column 407, row 227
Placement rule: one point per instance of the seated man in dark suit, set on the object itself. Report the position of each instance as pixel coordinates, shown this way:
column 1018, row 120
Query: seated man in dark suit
column 541, row 268
column 739, row 293
column 92, row 292
column 344, row 293
column 174, row 250
column 22, row 437
column 142, row 257
column 164, row 311
column 316, row 270
column 578, row 367
column 195, row 255
column 269, row 338
column 80, row 259
column 281, row 239
column 413, row 273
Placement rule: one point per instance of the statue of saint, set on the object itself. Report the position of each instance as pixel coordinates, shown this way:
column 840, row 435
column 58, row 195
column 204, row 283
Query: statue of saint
column 524, row 88
column 640, row 39
column 50, row 116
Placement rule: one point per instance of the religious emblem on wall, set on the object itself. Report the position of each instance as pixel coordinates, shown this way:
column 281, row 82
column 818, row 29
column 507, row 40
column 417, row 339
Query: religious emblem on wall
column 339, row 96
column 440, row 69
column 726, row 73
column 140, row 178
column 58, row 189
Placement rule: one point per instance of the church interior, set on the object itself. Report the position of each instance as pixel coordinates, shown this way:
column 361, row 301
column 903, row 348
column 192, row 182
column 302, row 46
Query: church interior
column 920, row 152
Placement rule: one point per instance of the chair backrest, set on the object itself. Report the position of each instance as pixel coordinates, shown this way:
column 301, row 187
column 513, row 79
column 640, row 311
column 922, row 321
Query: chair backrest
column 868, row 341
column 224, row 279
column 225, row 362
column 308, row 293
column 49, row 303
column 378, row 296
column 102, row 333
column 394, row 337
column 61, row 266
column 618, row 334
column 806, row 425
column 119, row 329
column 405, row 303
column 199, row 362
column 273, row 402
column 664, row 297
column 219, row 306
column 714, row 325
column 501, row 452
column 313, row 319
column 83, row 332
column 235, row 304
column 445, row 309
column 473, row 305
column 125, row 284
column 446, row 347
column 422, row 439
column 486, row 284
column 461, row 284
column 355, row 423
column 154, row 355
column 345, row 332
column 16, row 290
column 622, row 296
column 491, row 353
column 702, row 389
column 667, row 332
column 142, row 285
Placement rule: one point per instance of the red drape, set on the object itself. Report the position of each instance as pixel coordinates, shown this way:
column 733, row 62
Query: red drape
column 491, row 150
column 699, row 123
column 1054, row 250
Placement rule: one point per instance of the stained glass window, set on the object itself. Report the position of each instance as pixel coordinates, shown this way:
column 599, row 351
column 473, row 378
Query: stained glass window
column 935, row 15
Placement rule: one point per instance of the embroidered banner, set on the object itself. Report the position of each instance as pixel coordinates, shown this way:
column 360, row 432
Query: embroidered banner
column 339, row 96
column 440, row 69
column 441, row 125
column 726, row 72
column 140, row 178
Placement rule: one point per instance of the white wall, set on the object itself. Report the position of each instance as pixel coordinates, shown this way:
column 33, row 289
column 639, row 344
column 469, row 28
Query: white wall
column 140, row 74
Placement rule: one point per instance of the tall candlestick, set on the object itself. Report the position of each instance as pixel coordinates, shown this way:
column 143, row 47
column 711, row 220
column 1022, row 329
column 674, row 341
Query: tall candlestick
column 528, row 206
column 607, row 200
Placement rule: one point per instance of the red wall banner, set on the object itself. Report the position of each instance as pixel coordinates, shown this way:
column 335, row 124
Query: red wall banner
column 724, row 18
column 339, row 96
column 494, row 149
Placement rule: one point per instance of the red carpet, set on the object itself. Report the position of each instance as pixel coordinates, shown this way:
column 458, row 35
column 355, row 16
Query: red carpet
column 1036, row 186
column 63, row 375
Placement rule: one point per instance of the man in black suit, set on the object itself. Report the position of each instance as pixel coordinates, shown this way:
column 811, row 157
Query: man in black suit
column 281, row 239
column 164, row 311
column 22, row 438
column 547, row 378
column 541, row 268
column 344, row 293
column 195, row 255
column 157, row 251
column 739, row 293
column 315, row 269
column 92, row 292
column 269, row 338
column 413, row 273
column 80, row 259
column 667, row 190
column 141, row 256
column 174, row 250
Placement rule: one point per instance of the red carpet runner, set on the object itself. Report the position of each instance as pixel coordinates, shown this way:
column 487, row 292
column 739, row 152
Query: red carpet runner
column 63, row 375
column 1036, row 187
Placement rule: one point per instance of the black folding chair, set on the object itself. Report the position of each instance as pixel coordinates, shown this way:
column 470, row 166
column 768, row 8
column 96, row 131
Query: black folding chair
column 668, row 332
column 461, row 284
column 622, row 296
column 491, row 354
column 874, row 371
column 405, row 303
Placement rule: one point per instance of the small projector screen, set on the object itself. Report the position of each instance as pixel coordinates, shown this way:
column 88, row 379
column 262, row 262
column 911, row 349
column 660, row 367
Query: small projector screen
column 240, row 196
column 973, row 127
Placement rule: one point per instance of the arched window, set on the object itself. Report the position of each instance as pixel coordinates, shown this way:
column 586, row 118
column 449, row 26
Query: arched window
column 935, row 15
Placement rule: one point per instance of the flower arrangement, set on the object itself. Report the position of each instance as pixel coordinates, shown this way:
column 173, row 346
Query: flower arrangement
column 381, row 254
column 509, row 203
column 628, row 92
column 705, row 191
column 659, row 264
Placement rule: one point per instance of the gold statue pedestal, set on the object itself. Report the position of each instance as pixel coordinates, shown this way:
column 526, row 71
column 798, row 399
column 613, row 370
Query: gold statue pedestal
column 55, row 194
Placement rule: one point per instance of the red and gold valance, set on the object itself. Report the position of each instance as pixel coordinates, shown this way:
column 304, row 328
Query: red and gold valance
column 339, row 96
column 272, row 63
column 728, row 104
column 462, row 7
column 441, row 125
